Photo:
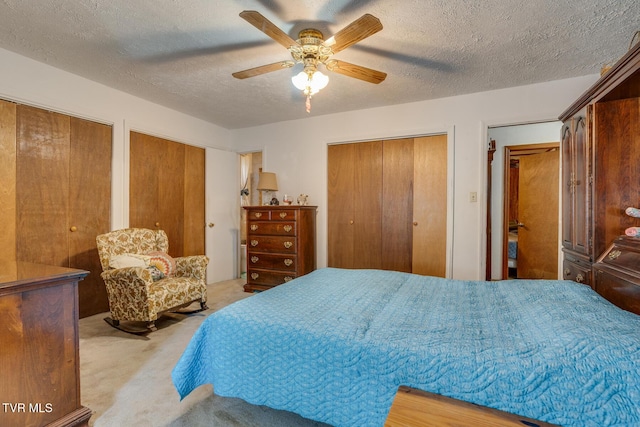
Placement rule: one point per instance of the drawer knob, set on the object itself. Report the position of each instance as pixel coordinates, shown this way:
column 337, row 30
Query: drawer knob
column 254, row 227
column 288, row 262
column 288, row 278
column 580, row 278
column 254, row 259
column 254, row 243
column 614, row 254
column 257, row 214
column 288, row 244
column 254, row 276
column 283, row 215
column 287, row 228
column 567, row 272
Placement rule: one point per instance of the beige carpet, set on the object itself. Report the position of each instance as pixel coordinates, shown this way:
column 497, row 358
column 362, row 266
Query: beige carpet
column 126, row 379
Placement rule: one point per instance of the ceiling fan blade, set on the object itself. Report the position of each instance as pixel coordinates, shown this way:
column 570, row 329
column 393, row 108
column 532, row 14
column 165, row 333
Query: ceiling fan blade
column 269, row 28
column 358, row 30
column 356, row 71
column 252, row 72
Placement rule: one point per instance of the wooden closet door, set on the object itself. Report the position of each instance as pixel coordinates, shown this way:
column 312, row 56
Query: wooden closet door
column 194, row 197
column 171, row 201
column 340, row 234
column 89, row 208
column 367, row 195
column 8, row 180
column 143, row 181
column 156, row 187
column 42, row 186
column 429, row 255
column 157, row 194
column 354, row 205
column 397, row 207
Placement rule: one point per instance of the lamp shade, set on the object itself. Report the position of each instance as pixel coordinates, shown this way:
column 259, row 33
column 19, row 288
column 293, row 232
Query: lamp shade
column 267, row 181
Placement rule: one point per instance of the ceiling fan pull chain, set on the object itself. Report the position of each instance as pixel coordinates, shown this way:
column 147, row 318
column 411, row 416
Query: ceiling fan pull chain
column 308, row 103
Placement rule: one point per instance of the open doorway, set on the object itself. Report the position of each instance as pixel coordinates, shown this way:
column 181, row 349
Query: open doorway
column 506, row 226
column 250, row 167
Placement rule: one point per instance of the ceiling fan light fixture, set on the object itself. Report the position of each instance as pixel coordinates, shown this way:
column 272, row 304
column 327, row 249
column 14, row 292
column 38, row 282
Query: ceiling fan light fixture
column 310, row 83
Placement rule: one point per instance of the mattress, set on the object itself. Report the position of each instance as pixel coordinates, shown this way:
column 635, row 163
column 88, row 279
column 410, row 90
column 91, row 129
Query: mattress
column 334, row 346
column 512, row 245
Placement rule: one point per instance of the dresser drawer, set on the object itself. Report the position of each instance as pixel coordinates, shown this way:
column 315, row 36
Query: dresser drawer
column 281, row 244
column 267, row 277
column 284, row 215
column 259, row 215
column 272, row 228
column 576, row 271
column 272, row 261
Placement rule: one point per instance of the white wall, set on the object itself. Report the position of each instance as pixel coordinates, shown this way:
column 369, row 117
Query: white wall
column 297, row 150
column 504, row 136
column 26, row 81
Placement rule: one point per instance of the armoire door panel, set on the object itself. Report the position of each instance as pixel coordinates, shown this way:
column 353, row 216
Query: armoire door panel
column 42, row 186
column 582, row 186
column 89, row 192
column 397, row 207
column 194, row 197
column 567, row 190
column 8, row 180
column 430, row 205
column 617, row 142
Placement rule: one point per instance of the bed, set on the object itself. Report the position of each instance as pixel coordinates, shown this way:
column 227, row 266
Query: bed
column 512, row 249
column 335, row 345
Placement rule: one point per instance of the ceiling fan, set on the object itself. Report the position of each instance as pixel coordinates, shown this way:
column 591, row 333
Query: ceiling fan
column 312, row 50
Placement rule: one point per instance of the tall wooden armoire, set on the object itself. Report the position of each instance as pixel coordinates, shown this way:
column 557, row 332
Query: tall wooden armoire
column 601, row 178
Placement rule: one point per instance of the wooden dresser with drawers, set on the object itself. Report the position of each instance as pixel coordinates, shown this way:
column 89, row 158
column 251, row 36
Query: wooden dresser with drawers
column 281, row 244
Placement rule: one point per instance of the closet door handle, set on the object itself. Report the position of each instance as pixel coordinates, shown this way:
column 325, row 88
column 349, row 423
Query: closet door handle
column 73, row 228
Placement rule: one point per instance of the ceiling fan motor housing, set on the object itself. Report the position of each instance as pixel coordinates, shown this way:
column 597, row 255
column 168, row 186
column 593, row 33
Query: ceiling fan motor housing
column 310, row 49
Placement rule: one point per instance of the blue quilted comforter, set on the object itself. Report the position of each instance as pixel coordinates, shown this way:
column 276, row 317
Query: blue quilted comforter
column 334, row 346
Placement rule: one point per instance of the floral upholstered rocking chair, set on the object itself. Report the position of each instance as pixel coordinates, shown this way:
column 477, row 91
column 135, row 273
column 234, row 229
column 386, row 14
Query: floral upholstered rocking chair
column 143, row 281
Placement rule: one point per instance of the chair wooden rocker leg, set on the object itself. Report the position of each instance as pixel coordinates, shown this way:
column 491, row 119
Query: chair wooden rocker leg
column 151, row 325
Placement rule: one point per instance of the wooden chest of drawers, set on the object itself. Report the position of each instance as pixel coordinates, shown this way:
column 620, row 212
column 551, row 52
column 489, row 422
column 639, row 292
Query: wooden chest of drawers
column 281, row 244
column 617, row 273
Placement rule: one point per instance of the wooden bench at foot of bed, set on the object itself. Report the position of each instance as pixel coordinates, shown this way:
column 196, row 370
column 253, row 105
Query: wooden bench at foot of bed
column 413, row 408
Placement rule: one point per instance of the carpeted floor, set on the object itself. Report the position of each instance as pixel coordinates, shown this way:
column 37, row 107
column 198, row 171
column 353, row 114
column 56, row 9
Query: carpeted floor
column 126, row 379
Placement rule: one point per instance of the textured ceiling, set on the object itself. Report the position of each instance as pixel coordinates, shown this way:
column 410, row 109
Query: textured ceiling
column 181, row 53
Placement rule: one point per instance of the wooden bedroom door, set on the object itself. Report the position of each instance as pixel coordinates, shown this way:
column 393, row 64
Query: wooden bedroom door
column 354, row 199
column 429, row 251
column 538, row 215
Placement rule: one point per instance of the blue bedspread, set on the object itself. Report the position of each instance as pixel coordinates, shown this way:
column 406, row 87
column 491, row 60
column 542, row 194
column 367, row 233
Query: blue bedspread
column 335, row 345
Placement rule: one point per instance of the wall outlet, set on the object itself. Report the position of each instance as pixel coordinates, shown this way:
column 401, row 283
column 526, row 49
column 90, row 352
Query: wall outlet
column 473, row 197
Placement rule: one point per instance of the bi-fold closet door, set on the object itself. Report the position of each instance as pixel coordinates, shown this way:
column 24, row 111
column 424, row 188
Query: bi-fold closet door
column 56, row 195
column 387, row 205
